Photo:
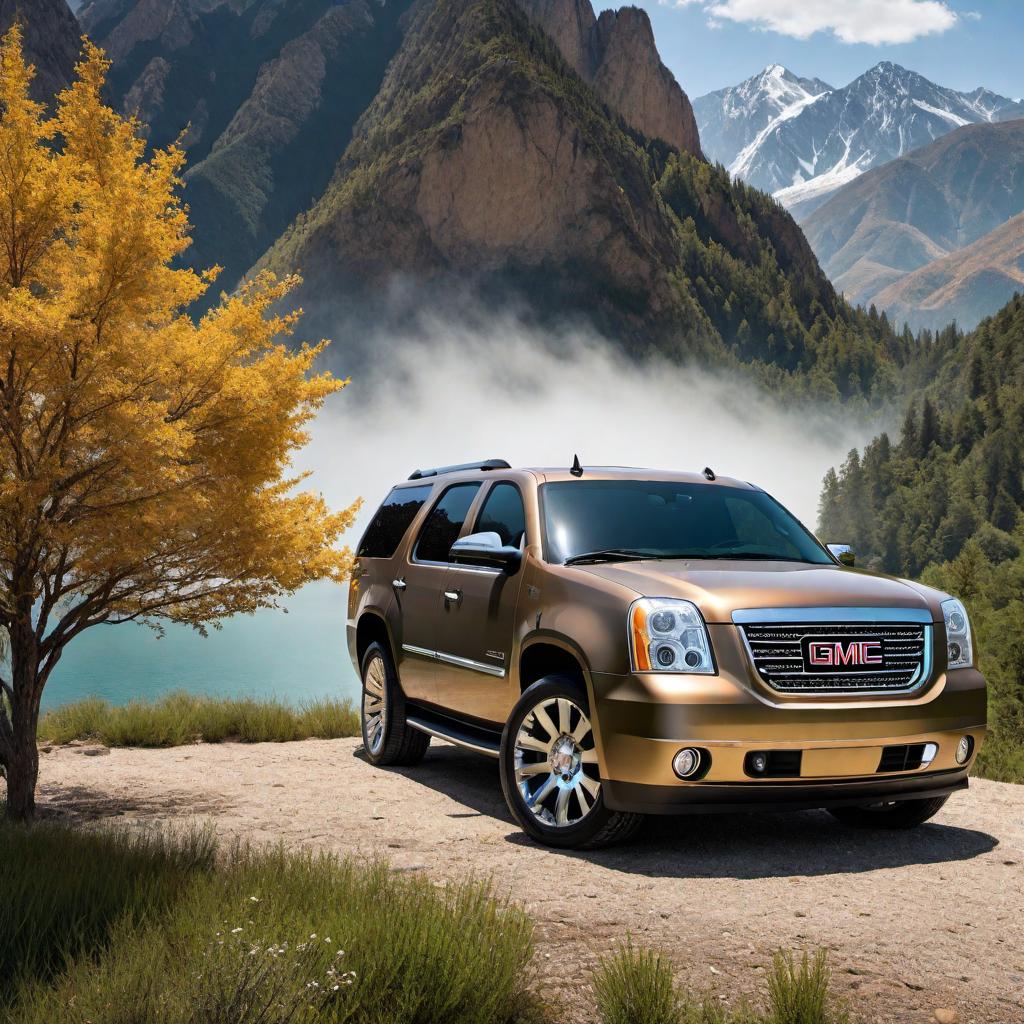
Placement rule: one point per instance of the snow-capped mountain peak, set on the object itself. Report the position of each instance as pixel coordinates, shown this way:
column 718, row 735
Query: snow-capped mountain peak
column 801, row 139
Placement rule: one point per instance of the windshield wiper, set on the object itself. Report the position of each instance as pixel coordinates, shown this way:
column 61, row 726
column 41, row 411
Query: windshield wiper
column 608, row 555
column 754, row 556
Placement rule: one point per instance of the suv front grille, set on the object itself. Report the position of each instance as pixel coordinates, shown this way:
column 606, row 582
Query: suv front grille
column 827, row 658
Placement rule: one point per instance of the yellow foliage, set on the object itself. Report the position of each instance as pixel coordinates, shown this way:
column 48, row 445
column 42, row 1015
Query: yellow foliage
column 144, row 455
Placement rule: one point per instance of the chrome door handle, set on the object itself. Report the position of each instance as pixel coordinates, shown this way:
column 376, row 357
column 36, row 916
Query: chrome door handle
column 453, row 595
column 399, row 584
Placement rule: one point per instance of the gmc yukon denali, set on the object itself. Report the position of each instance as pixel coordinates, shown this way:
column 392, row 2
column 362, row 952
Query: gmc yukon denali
column 629, row 642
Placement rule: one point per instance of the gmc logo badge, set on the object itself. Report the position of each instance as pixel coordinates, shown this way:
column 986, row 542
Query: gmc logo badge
column 835, row 653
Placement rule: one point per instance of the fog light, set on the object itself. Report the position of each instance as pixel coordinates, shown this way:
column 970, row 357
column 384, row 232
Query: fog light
column 758, row 763
column 963, row 749
column 686, row 762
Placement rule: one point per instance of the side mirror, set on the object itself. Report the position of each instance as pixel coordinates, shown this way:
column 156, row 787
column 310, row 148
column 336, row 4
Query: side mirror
column 842, row 553
column 486, row 549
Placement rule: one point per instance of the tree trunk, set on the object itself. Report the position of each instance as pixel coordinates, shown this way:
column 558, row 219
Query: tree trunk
column 22, row 773
column 21, row 755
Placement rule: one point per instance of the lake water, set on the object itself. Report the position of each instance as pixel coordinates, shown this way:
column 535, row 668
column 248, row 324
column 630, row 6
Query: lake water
column 296, row 656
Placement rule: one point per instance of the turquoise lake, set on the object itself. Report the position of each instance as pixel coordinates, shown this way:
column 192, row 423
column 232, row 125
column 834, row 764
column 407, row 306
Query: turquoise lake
column 296, row 657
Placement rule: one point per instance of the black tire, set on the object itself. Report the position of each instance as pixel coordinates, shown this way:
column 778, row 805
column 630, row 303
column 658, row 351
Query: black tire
column 597, row 826
column 398, row 743
column 901, row 814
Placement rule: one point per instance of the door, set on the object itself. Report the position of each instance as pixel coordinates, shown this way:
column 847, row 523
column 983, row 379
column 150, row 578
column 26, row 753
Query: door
column 475, row 639
column 420, row 588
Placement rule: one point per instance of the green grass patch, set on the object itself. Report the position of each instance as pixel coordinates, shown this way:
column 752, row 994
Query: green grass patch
column 636, row 986
column 118, row 927
column 181, row 718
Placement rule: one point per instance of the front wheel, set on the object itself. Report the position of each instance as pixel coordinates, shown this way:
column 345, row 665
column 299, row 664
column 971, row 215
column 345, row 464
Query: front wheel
column 899, row 814
column 549, row 772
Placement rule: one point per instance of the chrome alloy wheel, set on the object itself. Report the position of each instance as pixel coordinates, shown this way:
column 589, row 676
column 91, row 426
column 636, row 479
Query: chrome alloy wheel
column 375, row 705
column 556, row 763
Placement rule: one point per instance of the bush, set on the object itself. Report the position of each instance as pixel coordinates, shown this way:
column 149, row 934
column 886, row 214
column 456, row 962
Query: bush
column 150, row 928
column 181, row 718
column 637, row 987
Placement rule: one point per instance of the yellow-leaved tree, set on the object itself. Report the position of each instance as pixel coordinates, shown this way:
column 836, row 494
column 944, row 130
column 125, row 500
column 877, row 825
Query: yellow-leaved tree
column 144, row 456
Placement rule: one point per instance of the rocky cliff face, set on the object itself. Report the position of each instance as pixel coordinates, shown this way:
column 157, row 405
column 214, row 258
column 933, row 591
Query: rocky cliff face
column 617, row 55
column 262, row 95
column 487, row 165
column 51, row 42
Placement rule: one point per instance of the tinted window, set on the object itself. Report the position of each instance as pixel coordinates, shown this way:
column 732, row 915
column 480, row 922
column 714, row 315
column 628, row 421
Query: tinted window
column 385, row 533
column 503, row 514
column 671, row 519
column 441, row 528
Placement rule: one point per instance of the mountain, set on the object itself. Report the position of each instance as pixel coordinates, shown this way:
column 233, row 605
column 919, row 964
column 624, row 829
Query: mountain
column 780, row 134
column 616, row 54
column 51, row 42
column 965, row 286
column 486, row 162
column 736, row 123
column 939, row 203
column 263, row 96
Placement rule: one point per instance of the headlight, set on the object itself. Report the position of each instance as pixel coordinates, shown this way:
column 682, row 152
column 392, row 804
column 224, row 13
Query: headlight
column 668, row 635
column 959, row 652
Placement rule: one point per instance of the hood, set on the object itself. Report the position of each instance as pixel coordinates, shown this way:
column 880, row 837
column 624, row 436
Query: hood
column 719, row 588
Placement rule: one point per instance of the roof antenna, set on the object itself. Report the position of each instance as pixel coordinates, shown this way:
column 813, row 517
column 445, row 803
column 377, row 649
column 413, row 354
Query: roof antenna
column 709, row 473
column 577, row 469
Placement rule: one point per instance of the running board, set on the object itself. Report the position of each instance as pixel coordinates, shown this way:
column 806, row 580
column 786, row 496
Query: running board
column 462, row 734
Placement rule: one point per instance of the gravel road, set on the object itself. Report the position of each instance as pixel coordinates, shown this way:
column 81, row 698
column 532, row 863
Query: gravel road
column 915, row 921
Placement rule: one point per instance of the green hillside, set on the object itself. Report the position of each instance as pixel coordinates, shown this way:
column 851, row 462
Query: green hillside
column 943, row 502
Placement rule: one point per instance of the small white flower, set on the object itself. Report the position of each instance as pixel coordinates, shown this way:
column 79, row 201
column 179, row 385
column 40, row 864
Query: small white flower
column 235, row 931
column 254, row 899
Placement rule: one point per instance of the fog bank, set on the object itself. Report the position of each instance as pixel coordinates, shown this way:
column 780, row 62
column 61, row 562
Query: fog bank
column 452, row 393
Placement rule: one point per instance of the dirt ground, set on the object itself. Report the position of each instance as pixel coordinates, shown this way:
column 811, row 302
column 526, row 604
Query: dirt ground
column 915, row 921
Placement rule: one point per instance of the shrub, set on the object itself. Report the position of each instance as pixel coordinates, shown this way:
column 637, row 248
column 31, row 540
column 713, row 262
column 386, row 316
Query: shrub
column 637, row 987
column 799, row 994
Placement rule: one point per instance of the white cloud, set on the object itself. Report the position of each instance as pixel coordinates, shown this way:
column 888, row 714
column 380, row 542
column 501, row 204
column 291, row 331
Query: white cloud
column 876, row 22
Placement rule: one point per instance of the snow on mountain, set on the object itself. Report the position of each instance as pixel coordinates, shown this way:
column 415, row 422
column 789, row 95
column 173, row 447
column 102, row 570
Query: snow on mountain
column 801, row 139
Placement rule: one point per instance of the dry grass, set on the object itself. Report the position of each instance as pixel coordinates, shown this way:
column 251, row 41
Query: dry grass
column 181, row 718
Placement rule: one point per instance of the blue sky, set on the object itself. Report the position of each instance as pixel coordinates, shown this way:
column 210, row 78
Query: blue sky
column 709, row 44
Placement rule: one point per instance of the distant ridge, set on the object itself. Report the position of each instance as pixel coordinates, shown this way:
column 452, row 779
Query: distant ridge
column 801, row 139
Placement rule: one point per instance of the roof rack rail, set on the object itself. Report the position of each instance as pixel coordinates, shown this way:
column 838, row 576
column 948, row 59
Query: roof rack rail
column 419, row 474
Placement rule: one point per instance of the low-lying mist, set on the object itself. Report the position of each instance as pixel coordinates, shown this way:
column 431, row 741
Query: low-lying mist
column 452, row 393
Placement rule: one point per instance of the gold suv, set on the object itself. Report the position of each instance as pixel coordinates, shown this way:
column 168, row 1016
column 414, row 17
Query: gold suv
column 631, row 642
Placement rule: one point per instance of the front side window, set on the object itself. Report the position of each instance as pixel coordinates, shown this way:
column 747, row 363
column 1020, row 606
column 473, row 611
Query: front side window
column 670, row 519
column 503, row 514
column 388, row 527
column 444, row 523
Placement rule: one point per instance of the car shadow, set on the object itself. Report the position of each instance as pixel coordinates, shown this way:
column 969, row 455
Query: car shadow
column 741, row 846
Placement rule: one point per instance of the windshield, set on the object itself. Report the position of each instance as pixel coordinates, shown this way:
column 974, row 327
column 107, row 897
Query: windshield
column 609, row 520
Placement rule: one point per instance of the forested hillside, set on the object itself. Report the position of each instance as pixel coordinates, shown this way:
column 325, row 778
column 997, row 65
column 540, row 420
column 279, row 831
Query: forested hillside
column 943, row 502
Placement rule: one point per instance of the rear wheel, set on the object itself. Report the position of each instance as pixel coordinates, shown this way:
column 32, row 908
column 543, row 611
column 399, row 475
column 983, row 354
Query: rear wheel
column 898, row 814
column 387, row 738
column 549, row 771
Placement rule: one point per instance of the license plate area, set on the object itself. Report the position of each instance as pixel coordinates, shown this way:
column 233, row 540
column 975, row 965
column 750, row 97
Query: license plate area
column 826, row 762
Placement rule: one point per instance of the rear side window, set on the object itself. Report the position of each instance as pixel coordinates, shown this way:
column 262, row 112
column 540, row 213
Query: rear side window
column 442, row 527
column 503, row 514
column 385, row 533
